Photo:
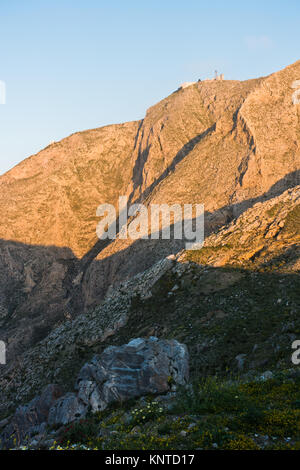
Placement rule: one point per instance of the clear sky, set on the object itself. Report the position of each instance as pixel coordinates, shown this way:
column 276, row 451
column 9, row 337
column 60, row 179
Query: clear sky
column 71, row 65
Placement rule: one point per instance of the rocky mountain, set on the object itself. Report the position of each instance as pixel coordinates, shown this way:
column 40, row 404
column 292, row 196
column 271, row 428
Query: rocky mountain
column 64, row 294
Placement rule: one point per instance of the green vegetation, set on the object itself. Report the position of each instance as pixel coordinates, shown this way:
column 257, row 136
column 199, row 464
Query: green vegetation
column 292, row 223
column 274, row 210
column 202, row 256
column 210, row 414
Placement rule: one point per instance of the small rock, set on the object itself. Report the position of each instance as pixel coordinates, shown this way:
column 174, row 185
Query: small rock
column 33, row 443
column 192, row 425
column 136, row 430
column 240, row 360
column 220, row 314
column 49, row 443
column 267, row 375
column 4, row 422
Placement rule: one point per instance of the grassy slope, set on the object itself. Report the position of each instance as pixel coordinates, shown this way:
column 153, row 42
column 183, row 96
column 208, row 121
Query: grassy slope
column 215, row 414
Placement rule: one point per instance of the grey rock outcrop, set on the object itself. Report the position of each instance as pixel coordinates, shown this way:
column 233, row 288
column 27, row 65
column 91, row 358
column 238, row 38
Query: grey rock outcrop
column 66, row 409
column 141, row 367
column 31, row 418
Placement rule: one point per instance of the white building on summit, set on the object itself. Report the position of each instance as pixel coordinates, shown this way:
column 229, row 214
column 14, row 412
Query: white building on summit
column 216, row 77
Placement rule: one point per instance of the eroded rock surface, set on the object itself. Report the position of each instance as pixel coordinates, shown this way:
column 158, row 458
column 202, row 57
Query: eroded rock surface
column 30, row 419
column 141, row 367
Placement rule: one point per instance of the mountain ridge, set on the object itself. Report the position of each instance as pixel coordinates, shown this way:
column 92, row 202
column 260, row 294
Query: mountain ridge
column 228, row 144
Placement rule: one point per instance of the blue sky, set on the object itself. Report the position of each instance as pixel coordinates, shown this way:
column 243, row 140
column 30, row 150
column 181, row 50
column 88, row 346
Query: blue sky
column 71, row 65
